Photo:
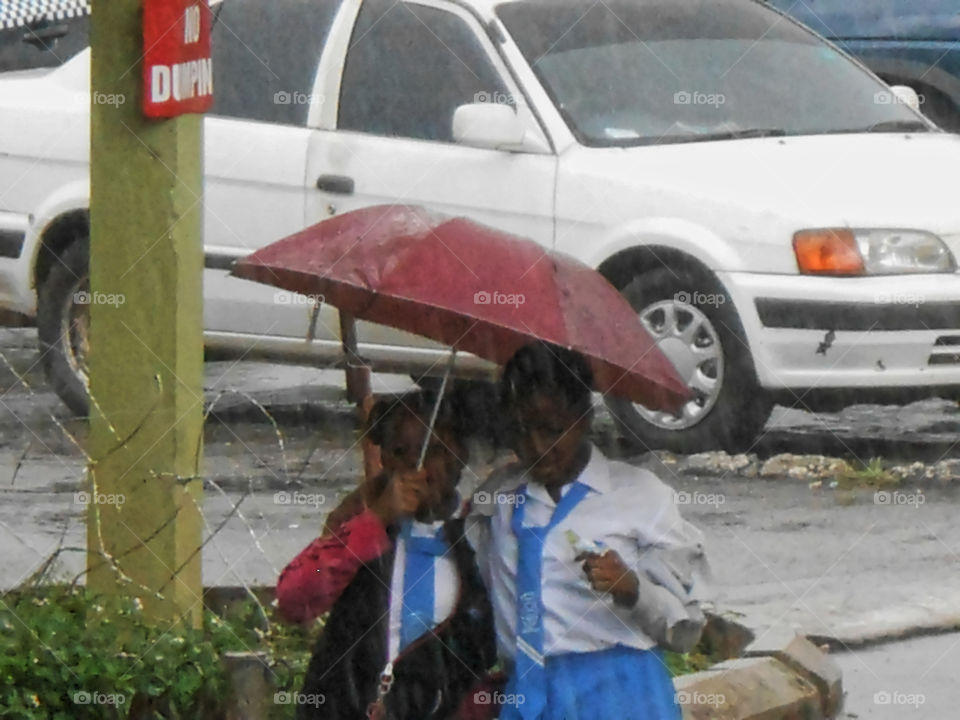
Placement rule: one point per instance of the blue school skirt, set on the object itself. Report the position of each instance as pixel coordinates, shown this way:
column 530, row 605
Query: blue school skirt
column 619, row 683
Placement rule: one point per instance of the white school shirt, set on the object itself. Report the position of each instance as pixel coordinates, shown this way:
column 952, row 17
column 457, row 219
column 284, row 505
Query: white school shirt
column 630, row 510
column 446, row 579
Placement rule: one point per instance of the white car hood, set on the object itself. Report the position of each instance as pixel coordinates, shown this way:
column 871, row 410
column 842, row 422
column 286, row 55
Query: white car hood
column 863, row 180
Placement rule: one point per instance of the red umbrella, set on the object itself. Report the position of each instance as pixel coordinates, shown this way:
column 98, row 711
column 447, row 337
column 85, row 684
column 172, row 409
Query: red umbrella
column 473, row 288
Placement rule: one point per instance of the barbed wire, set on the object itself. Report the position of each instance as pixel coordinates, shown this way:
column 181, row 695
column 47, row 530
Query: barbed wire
column 280, row 450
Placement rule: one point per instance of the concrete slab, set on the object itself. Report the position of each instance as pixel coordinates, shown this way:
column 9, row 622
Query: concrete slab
column 748, row 689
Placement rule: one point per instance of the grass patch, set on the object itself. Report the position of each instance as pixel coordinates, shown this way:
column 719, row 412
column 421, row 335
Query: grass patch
column 686, row 663
column 869, row 475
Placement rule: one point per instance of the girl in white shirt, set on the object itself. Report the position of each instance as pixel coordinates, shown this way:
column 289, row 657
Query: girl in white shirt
column 590, row 566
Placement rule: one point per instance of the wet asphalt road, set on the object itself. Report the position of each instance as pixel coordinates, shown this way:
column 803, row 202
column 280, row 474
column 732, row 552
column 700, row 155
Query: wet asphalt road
column 783, row 553
column 910, row 680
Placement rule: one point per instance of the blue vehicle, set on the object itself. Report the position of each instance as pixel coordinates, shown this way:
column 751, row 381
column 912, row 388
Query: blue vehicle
column 905, row 42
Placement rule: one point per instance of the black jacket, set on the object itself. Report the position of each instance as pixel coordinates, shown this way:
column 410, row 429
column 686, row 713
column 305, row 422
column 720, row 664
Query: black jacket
column 432, row 674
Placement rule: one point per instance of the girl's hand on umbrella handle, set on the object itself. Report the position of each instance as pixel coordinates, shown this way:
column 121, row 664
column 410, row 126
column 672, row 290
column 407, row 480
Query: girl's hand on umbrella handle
column 363, row 496
column 402, row 497
column 607, row 573
column 353, row 504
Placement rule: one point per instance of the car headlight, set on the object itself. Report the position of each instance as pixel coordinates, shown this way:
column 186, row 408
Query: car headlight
column 844, row 251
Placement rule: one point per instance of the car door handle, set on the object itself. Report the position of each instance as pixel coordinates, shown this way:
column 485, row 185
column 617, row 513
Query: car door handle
column 339, row 184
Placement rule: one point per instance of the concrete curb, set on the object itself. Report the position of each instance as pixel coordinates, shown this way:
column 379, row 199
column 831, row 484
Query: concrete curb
column 782, row 678
column 294, row 406
column 890, row 624
column 808, row 661
column 748, row 689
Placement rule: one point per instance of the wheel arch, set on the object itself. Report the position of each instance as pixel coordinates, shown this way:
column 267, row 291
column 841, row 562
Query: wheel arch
column 621, row 267
column 55, row 237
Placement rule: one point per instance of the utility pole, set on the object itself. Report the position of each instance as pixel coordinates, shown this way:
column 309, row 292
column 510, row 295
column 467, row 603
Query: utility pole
column 146, row 329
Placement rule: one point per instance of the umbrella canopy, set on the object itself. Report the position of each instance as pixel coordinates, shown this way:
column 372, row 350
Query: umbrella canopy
column 470, row 287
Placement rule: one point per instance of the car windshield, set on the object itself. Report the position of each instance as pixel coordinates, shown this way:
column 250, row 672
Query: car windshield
column 634, row 72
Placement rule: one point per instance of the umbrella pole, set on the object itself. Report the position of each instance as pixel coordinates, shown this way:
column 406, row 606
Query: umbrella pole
column 356, row 370
column 357, row 374
column 436, row 407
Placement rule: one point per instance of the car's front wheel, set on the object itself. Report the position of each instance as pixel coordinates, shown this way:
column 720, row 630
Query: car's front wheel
column 694, row 323
column 63, row 325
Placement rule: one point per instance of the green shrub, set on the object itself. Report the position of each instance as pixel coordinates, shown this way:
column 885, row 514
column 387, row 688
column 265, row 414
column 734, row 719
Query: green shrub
column 68, row 655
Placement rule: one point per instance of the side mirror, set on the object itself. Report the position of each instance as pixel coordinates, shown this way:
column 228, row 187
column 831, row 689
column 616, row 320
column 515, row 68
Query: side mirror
column 494, row 126
column 906, row 95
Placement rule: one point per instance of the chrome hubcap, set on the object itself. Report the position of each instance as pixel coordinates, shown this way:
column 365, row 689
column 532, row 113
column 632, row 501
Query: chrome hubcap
column 691, row 343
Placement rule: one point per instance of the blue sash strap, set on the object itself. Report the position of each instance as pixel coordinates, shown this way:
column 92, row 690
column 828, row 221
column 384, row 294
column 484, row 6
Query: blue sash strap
column 529, row 659
column 419, row 573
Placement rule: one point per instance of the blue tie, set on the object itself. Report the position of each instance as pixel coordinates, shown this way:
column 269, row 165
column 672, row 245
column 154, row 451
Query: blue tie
column 418, row 582
column 530, row 673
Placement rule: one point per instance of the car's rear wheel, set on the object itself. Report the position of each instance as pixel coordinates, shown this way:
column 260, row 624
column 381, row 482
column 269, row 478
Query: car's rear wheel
column 63, row 325
column 694, row 323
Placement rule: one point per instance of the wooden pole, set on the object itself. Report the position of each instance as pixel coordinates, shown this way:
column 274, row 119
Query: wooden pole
column 357, row 372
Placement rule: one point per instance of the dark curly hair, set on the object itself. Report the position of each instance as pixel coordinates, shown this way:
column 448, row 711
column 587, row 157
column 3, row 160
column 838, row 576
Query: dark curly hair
column 388, row 411
column 550, row 369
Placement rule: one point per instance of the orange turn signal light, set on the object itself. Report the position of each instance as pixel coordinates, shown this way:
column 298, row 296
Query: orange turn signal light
column 828, row 252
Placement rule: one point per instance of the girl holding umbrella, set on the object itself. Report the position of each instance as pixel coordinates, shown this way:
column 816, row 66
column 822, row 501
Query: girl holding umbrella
column 410, row 626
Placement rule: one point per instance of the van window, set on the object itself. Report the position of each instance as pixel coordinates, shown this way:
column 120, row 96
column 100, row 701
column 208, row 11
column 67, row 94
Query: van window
column 265, row 57
column 408, row 69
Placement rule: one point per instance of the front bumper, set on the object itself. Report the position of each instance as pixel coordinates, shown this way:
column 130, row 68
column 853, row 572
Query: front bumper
column 16, row 295
column 878, row 332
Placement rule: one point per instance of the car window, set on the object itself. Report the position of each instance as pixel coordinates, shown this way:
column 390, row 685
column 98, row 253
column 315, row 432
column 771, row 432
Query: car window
column 661, row 71
column 265, row 57
column 42, row 43
column 409, row 67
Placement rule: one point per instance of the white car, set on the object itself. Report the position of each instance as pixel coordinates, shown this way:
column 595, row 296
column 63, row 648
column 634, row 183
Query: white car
column 785, row 225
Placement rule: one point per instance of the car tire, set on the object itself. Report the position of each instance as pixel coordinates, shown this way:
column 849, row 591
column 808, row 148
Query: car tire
column 695, row 324
column 63, row 325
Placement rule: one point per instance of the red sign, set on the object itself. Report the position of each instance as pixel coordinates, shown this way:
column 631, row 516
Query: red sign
column 177, row 68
